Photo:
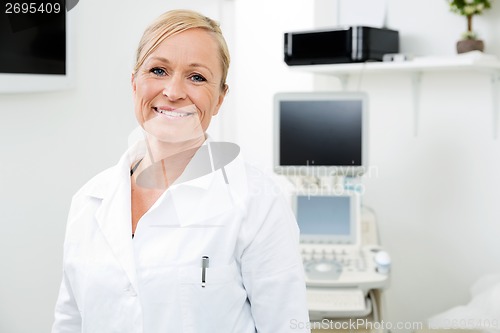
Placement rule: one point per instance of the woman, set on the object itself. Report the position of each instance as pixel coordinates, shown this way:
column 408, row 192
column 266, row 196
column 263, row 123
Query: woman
column 180, row 236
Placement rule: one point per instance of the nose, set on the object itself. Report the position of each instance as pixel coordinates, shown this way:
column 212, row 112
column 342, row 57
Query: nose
column 174, row 88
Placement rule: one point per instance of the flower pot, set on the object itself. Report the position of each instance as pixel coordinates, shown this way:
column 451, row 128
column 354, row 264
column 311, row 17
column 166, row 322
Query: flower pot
column 467, row 45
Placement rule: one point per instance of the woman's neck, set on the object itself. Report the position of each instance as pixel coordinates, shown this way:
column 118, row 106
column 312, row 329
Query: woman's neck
column 158, row 150
column 164, row 162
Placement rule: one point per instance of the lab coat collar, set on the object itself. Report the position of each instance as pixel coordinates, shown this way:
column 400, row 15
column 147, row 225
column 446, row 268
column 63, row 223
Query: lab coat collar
column 227, row 175
column 209, row 160
column 103, row 184
column 218, row 154
column 214, row 180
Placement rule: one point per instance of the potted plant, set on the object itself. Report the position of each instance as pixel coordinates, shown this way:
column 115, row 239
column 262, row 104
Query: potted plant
column 469, row 8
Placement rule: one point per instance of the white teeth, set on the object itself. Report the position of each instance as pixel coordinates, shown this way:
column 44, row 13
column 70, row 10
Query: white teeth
column 173, row 113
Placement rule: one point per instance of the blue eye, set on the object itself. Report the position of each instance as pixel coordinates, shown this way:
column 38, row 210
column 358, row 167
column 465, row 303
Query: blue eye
column 158, row 71
column 198, row 78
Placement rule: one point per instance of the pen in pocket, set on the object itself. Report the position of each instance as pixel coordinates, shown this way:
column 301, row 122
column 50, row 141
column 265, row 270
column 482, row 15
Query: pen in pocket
column 204, row 266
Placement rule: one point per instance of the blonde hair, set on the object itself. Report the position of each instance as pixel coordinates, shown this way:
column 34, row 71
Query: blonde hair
column 177, row 21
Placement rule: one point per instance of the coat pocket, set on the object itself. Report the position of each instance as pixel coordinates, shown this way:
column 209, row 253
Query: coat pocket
column 219, row 305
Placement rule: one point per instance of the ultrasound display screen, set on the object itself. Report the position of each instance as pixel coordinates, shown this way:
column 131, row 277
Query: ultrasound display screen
column 324, row 215
column 320, row 132
column 329, row 218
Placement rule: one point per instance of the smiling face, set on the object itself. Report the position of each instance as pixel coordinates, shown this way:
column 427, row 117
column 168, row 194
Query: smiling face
column 177, row 89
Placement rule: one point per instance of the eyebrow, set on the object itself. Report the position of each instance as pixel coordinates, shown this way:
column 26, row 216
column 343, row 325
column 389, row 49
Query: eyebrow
column 193, row 65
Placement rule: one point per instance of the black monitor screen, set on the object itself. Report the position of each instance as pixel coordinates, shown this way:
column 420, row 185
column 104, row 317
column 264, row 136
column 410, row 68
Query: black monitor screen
column 33, row 38
column 320, row 133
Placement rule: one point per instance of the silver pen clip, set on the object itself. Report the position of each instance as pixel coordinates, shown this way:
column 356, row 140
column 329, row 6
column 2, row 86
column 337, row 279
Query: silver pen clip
column 204, row 266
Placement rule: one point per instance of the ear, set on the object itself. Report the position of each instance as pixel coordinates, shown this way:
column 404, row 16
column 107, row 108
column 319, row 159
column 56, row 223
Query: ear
column 132, row 81
column 222, row 95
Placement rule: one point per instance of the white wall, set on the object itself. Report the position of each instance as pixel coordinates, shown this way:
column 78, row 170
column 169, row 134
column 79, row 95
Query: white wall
column 259, row 71
column 52, row 143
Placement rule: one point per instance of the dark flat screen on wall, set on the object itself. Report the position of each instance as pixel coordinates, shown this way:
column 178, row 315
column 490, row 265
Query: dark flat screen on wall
column 33, row 38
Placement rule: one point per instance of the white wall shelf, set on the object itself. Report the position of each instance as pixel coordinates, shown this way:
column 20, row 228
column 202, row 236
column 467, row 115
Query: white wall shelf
column 474, row 61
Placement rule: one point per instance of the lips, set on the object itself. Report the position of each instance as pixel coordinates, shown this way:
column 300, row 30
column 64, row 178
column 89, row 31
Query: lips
column 172, row 113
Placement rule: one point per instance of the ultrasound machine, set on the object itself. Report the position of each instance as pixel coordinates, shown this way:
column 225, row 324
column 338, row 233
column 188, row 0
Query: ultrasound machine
column 320, row 145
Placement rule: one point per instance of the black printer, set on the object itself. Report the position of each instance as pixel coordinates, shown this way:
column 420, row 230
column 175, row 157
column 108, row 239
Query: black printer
column 339, row 45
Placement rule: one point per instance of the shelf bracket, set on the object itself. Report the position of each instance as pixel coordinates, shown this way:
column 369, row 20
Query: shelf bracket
column 416, row 80
column 495, row 89
column 344, row 80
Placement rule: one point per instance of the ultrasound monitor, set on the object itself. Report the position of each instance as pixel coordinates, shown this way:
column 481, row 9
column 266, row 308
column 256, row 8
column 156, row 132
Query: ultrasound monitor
column 328, row 219
column 320, row 133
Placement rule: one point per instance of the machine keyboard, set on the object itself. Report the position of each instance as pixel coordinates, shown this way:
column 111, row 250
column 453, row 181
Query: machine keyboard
column 346, row 261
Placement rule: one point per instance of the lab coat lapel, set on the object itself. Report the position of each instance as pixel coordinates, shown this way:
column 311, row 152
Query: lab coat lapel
column 114, row 220
column 200, row 201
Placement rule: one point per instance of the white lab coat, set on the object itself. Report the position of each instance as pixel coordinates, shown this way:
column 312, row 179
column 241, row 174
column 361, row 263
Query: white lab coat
column 152, row 283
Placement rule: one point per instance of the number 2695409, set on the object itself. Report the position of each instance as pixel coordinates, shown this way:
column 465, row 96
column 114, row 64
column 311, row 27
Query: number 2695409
column 32, row 8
